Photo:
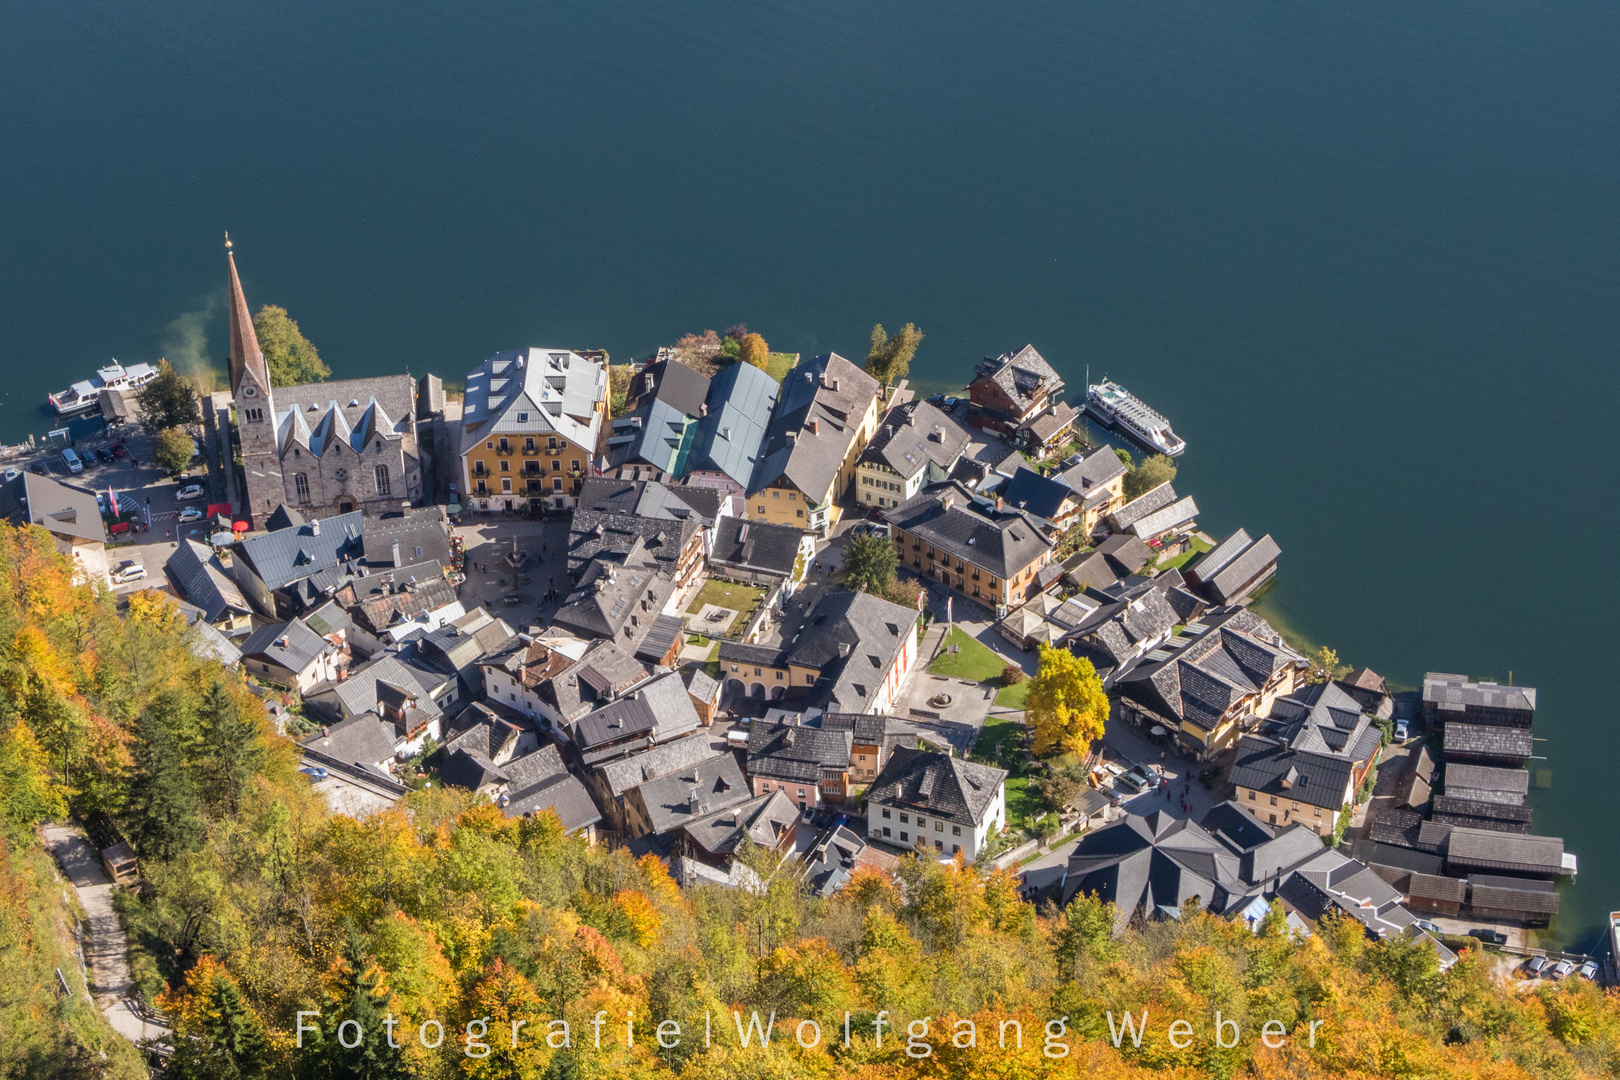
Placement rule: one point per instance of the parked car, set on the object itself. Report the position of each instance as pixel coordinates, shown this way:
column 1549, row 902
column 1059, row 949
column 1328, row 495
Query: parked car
column 1427, row 926
column 190, row 513
column 11, row 474
column 74, row 463
column 1536, row 966
column 315, row 773
column 1401, row 731
column 950, row 403
column 40, row 467
column 1561, row 969
column 1489, row 937
column 104, row 455
column 119, row 450
column 1588, row 971
column 190, row 491
column 1138, row 780
column 129, row 570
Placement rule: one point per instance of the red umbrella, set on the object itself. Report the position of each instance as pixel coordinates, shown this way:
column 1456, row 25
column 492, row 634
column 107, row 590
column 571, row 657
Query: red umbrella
column 240, row 526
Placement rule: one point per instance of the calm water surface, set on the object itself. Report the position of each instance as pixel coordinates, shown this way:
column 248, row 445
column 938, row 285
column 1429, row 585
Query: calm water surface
column 1363, row 254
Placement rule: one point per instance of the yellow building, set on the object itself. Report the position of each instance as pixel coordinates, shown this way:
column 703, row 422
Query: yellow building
column 827, row 413
column 988, row 555
column 530, row 424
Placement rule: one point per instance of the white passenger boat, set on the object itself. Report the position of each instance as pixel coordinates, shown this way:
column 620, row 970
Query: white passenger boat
column 1113, row 404
column 81, row 396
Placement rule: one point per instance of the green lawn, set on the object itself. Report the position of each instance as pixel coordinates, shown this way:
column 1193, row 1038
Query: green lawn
column 975, row 661
column 1022, row 805
column 779, row 364
column 1012, row 697
column 1198, row 548
column 727, row 594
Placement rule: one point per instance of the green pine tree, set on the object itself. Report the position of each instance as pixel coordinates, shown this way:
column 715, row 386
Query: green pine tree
column 363, row 998
column 231, row 1044
column 162, row 808
column 235, row 746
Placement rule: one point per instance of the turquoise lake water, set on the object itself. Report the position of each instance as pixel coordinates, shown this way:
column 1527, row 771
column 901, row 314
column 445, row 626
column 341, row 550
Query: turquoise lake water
column 1366, row 256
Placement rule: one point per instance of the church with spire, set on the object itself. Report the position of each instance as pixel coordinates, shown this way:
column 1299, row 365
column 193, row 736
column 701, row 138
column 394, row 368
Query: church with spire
column 323, row 448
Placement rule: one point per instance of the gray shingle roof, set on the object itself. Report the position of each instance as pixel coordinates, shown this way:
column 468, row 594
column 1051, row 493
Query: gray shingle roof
column 364, row 739
column 604, row 671
column 1512, row 894
column 1234, row 566
column 539, row 781
column 1152, row 864
column 1140, row 507
column 792, row 752
column 1486, row 784
column 853, row 638
column 1479, row 740
column 759, row 546
column 1454, row 693
column 943, row 785
column 660, row 709
column 617, row 598
column 421, row 536
column 817, row 417
column 1235, row 655
column 621, row 774
column 1178, row 515
column 291, row 645
column 204, row 580
column 1093, row 471
column 365, row 686
column 1021, row 375
column 1004, row 543
column 57, row 507
column 288, row 555
column 1310, row 778
column 764, row 818
column 1029, row 490
column 731, row 437
column 666, row 629
column 1490, row 850
column 1474, row 814
column 690, row 792
column 915, row 435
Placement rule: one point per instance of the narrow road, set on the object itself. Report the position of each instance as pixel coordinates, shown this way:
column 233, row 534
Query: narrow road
column 108, row 949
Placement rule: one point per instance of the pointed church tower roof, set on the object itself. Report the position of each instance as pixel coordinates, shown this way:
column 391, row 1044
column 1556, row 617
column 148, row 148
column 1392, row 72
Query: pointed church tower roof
column 246, row 356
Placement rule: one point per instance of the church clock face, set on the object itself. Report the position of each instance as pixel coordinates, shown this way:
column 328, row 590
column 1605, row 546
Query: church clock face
column 250, row 391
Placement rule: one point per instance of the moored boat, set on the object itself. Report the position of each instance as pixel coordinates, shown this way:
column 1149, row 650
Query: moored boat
column 82, row 396
column 1113, row 404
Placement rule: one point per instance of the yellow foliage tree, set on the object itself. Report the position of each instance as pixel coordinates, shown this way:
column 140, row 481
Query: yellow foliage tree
column 1066, row 704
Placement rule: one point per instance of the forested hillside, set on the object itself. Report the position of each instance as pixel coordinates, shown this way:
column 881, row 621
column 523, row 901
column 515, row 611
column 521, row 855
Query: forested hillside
column 260, row 905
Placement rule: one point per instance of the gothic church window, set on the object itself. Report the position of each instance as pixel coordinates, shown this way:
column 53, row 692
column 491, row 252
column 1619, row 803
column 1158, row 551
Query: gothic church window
column 383, row 487
column 301, row 486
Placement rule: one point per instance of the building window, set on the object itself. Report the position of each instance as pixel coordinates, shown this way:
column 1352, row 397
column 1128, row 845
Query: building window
column 1274, row 800
column 505, row 446
column 956, row 830
column 863, row 758
column 506, row 466
column 556, row 484
column 482, row 489
column 955, row 848
column 528, row 444
column 801, row 793
column 922, row 822
column 574, row 464
column 904, row 819
column 255, row 414
column 556, row 465
column 1251, row 796
column 885, row 830
column 301, row 486
column 523, row 418
column 506, row 485
column 939, row 826
column 384, row 488
column 775, row 494
column 904, row 836
column 885, row 813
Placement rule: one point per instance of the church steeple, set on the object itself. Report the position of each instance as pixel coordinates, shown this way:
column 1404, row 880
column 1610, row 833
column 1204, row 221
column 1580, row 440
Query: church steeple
column 246, row 356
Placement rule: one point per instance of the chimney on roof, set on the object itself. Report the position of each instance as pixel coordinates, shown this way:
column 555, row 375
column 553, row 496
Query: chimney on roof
column 693, row 801
column 742, row 533
column 814, row 426
column 396, row 553
column 282, row 641
column 1000, row 502
column 947, row 500
column 315, row 528
column 843, row 648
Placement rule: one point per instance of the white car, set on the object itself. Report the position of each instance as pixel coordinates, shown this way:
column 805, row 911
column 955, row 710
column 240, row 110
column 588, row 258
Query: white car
column 12, row 474
column 190, row 513
column 128, row 571
column 190, row 491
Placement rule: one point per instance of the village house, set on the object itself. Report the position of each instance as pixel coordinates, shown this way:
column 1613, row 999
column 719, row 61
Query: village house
column 198, row 576
column 767, row 821
column 293, row 656
column 655, row 437
column 1099, row 480
column 992, row 556
column 1053, row 503
column 674, row 524
column 558, row 687
column 665, row 803
column 731, row 434
column 1010, row 392
column 619, row 595
column 915, row 446
column 413, row 697
column 873, row 738
column 656, row 711
column 530, row 423
column 926, row 800
column 810, row 764
column 760, row 553
column 826, row 415
column 270, row 567
column 1221, row 683
column 539, row 782
column 406, row 538
column 1309, row 760
column 1150, row 501
column 852, row 655
column 1454, row 697
column 612, row 780
column 70, row 514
